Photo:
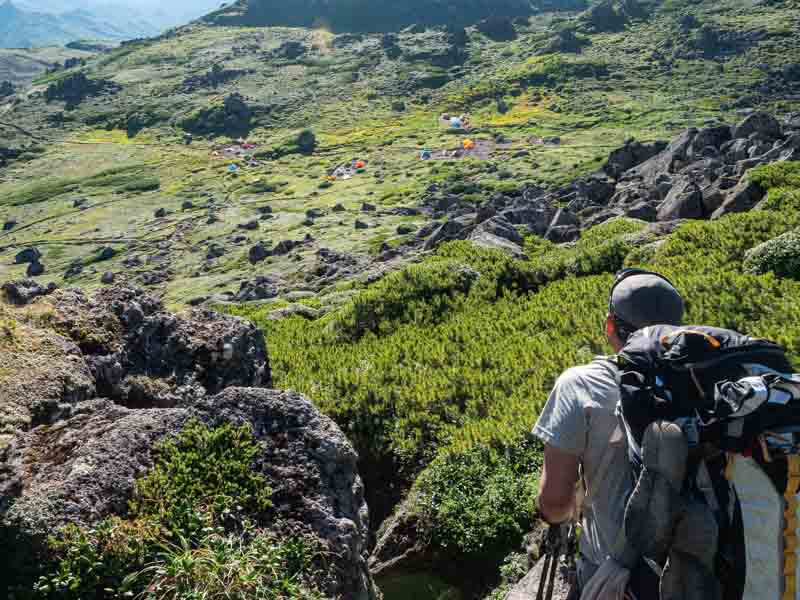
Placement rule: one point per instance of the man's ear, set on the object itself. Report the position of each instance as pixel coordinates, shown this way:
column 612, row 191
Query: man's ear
column 611, row 328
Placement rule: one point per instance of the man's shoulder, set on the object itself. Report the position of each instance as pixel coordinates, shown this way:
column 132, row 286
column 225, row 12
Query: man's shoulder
column 601, row 366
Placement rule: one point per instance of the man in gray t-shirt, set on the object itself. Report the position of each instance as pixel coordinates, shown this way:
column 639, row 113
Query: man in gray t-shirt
column 581, row 432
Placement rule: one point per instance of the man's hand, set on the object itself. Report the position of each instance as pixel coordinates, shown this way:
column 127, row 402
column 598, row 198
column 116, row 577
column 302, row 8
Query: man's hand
column 557, row 485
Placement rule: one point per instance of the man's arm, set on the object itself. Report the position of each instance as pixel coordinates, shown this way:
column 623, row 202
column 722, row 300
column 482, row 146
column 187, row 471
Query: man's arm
column 557, row 485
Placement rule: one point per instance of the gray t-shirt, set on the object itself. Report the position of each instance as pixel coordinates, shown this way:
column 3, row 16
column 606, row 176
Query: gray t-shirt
column 579, row 418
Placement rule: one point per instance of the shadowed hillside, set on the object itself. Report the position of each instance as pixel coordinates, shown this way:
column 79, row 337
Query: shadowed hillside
column 381, row 15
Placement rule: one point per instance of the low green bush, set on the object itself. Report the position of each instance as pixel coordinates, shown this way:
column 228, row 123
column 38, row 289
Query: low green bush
column 423, row 294
column 480, row 502
column 780, row 256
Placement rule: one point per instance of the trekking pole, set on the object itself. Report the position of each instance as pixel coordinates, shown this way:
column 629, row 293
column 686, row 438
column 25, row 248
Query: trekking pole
column 547, row 578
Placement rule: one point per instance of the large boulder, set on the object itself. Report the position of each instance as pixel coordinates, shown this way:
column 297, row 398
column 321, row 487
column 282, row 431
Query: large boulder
column 670, row 160
column 95, row 383
column 454, row 229
column 24, row 291
column 27, row 256
column 632, row 154
column 485, row 239
column 684, row 201
column 787, row 150
column 83, row 469
column 761, row 123
column 142, row 356
column 740, row 199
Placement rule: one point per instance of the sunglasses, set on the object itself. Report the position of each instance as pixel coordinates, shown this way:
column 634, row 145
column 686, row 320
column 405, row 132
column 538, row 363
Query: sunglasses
column 627, row 274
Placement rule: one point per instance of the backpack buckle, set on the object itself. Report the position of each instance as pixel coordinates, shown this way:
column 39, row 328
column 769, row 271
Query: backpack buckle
column 690, row 429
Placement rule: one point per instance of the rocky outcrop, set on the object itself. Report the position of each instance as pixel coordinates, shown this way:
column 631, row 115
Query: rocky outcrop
column 74, row 89
column 82, row 469
column 121, row 375
column 119, row 344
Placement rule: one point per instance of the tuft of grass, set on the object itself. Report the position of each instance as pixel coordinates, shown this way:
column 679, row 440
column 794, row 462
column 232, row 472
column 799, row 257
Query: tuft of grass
column 192, row 532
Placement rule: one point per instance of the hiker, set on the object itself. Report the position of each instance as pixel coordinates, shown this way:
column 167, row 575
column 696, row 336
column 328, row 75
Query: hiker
column 583, row 439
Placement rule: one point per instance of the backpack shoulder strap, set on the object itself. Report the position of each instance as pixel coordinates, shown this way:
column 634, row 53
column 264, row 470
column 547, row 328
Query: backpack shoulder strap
column 602, row 469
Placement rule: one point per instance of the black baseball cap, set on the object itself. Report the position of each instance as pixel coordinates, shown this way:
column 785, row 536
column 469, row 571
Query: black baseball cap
column 642, row 298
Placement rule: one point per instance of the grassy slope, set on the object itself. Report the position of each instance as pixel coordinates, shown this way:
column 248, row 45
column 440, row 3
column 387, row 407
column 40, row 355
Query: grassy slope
column 346, row 95
column 439, row 377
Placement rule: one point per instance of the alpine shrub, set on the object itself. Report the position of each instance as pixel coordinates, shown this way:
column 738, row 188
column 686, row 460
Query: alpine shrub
column 780, row 256
column 480, row 502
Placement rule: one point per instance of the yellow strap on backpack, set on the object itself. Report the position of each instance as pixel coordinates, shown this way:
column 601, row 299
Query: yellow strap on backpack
column 790, row 532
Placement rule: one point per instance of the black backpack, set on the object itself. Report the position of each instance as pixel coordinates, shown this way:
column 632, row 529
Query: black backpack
column 727, row 391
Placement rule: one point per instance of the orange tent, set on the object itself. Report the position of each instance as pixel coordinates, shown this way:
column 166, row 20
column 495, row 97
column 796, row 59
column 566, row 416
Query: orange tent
column 469, row 145
column 360, row 164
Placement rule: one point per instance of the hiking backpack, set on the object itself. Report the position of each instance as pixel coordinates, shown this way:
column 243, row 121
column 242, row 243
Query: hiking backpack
column 738, row 402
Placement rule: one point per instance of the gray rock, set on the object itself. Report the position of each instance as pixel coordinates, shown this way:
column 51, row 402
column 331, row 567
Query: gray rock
column 107, row 253
column 406, row 211
column 406, row 229
column 685, row 201
column 562, row 234
column 785, row 151
column 672, row 159
column 258, row 253
column 28, row 255
column 187, row 205
column 201, row 352
column 215, row 251
column 339, row 208
column 500, row 227
column 284, row 247
column 536, row 218
column 758, row 122
column 454, row 229
column 427, row 229
column 26, row 291
column 107, row 278
column 361, row 225
column 250, row 225
column 9, row 224
column 294, row 310
column 315, row 213
column 631, row 155
column 82, row 470
column 260, row 288
column 34, row 269
column 74, row 269
column 564, row 217
column 80, row 202
column 714, row 195
column 736, row 150
column 160, row 213
column 484, row 239
column 742, row 198
column 642, row 210
column 367, row 207
column 710, row 137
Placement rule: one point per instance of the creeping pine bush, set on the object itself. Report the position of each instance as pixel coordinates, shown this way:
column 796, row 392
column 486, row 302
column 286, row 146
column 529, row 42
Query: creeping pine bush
column 423, row 294
column 480, row 502
column 190, row 533
column 452, row 374
column 780, row 256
